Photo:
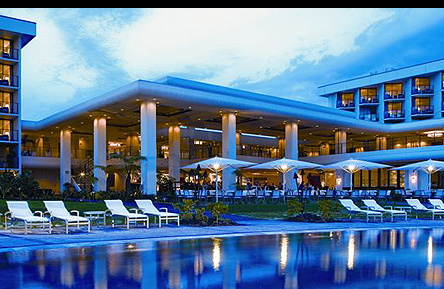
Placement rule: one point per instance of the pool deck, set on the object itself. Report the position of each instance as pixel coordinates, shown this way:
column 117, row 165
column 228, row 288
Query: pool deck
column 105, row 235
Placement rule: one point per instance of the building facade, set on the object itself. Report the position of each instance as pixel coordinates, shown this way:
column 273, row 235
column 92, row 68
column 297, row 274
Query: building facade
column 393, row 117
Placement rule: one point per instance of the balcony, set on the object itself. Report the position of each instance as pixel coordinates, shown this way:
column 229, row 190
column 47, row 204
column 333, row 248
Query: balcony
column 345, row 104
column 7, row 135
column 422, row 90
column 394, row 95
column 394, row 114
column 8, row 108
column 422, row 111
column 369, row 117
column 8, row 80
column 10, row 54
column 369, row 100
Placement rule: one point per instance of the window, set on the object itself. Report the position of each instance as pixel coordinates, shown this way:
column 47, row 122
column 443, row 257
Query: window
column 5, row 47
column 421, row 81
column 368, row 92
column 393, row 88
column 5, row 74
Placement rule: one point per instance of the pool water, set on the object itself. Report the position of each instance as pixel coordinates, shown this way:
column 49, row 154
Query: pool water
column 407, row 258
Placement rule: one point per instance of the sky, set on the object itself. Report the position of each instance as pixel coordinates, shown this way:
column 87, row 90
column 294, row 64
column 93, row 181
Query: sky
column 79, row 54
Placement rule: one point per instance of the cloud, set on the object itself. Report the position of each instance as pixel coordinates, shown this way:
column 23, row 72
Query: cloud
column 53, row 67
column 229, row 44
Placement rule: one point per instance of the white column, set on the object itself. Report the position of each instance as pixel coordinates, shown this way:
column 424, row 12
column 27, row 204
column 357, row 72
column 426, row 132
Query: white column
column 437, row 94
column 174, row 151
column 291, row 151
column 228, row 148
column 65, row 158
column 100, row 146
column 148, row 147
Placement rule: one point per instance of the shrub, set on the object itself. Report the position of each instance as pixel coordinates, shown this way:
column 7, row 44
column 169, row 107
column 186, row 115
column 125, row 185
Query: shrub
column 327, row 208
column 216, row 210
column 294, row 207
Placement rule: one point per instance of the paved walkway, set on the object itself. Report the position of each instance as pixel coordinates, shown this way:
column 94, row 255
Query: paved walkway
column 101, row 235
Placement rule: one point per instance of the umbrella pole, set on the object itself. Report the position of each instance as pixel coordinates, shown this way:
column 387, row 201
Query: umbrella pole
column 351, row 182
column 217, row 185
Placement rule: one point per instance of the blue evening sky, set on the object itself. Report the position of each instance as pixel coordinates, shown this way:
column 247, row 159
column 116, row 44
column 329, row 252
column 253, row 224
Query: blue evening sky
column 79, row 54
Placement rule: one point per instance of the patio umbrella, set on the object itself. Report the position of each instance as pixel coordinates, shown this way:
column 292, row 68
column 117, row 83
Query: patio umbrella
column 430, row 166
column 285, row 165
column 217, row 165
column 352, row 166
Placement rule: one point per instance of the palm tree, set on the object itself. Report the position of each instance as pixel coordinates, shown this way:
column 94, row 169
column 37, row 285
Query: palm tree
column 130, row 166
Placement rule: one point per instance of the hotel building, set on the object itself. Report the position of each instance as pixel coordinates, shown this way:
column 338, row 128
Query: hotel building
column 394, row 117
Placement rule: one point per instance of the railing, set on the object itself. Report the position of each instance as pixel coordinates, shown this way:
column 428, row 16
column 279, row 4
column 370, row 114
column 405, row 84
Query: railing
column 55, row 152
column 347, row 104
column 369, row 117
column 394, row 94
column 8, row 80
column 10, row 108
column 422, row 109
column 422, row 89
column 9, row 163
column 8, row 135
column 10, row 54
column 394, row 114
column 368, row 99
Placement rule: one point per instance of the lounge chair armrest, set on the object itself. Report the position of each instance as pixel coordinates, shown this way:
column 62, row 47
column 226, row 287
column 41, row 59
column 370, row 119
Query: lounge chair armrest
column 8, row 213
column 75, row 211
column 40, row 213
column 165, row 209
column 134, row 210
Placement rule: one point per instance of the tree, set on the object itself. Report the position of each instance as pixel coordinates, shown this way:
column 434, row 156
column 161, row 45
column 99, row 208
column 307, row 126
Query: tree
column 130, row 166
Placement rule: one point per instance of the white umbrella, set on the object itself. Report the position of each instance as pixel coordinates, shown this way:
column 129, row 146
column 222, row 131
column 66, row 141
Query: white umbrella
column 352, row 166
column 217, row 165
column 430, row 166
column 285, row 165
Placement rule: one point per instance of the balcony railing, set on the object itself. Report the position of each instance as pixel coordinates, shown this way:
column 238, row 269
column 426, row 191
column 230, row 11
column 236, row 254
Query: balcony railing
column 369, row 117
column 9, row 80
column 11, row 108
column 390, row 114
column 422, row 110
column 9, row 54
column 368, row 100
column 345, row 104
column 422, row 89
column 394, row 94
column 8, row 135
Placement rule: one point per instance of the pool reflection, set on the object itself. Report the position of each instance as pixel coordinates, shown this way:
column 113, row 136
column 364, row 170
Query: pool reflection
column 412, row 258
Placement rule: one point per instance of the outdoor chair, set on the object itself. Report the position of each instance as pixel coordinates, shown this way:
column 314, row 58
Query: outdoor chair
column 19, row 210
column 374, row 206
column 117, row 209
column 147, row 207
column 419, row 207
column 57, row 210
column 437, row 204
column 352, row 208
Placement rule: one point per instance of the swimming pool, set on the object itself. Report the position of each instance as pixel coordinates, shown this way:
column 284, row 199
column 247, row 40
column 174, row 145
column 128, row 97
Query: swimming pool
column 407, row 258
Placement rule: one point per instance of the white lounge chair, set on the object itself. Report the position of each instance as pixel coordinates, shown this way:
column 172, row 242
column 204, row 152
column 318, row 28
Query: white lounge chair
column 374, row 206
column 352, row 208
column 147, row 207
column 437, row 204
column 116, row 208
column 419, row 207
column 57, row 210
column 19, row 210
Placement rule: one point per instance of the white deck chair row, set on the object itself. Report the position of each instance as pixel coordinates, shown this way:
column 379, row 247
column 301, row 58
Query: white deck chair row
column 20, row 211
column 117, row 209
column 438, row 207
column 353, row 208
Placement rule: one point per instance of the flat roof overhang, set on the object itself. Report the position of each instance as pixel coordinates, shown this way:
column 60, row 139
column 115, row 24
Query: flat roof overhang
column 13, row 26
column 201, row 98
